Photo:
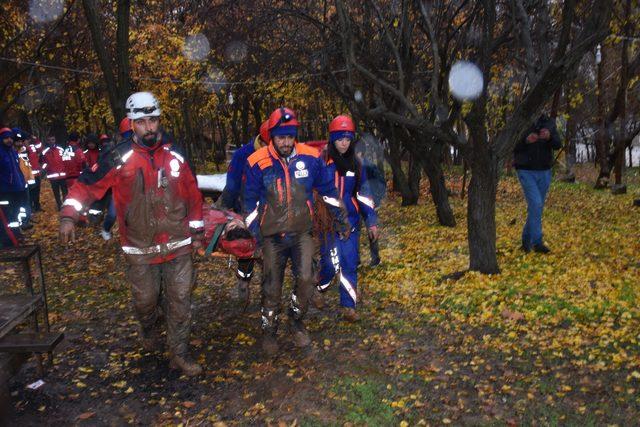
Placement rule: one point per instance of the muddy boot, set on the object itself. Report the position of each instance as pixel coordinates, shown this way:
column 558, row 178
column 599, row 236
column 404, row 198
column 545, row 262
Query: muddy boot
column 317, row 299
column 152, row 340
column 300, row 335
column 186, row 364
column 243, row 296
column 349, row 314
column 269, row 325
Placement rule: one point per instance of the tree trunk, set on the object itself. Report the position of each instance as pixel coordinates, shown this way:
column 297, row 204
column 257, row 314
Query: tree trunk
column 570, row 150
column 400, row 182
column 415, row 176
column 481, row 217
column 93, row 21
column 188, row 130
column 437, row 187
column 245, row 120
column 601, row 139
column 122, row 51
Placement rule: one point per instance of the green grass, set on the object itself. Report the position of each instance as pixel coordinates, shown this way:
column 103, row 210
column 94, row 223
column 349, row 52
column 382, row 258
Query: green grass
column 360, row 401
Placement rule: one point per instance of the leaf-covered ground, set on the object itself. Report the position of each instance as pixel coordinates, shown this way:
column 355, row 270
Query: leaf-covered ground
column 553, row 340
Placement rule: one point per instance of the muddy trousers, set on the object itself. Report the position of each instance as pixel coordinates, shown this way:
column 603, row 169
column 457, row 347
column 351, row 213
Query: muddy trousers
column 276, row 251
column 170, row 284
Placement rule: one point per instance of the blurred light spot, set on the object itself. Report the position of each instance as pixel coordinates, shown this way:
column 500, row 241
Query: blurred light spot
column 45, row 10
column 465, row 81
column 196, row 47
column 236, row 51
column 214, row 80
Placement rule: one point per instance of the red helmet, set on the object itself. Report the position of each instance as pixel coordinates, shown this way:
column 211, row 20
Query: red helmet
column 264, row 131
column 342, row 123
column 282, row 117
column 103, row 137
column 125, row 125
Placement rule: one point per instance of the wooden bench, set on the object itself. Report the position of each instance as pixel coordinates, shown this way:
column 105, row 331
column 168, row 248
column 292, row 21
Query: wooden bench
column 16, row 309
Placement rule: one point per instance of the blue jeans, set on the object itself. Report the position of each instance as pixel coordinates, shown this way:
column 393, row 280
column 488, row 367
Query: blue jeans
column 535, row 185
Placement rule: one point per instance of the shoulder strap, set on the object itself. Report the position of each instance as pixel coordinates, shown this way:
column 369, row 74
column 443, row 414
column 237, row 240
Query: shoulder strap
column 214, row 239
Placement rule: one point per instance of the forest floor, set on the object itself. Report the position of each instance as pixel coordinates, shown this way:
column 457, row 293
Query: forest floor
column 552, row 340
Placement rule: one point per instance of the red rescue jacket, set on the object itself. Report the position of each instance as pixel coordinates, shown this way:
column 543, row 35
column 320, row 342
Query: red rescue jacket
column 158, row 204
column 91, row 156
column 52, row 163
column 73, row 160
column 33, row 152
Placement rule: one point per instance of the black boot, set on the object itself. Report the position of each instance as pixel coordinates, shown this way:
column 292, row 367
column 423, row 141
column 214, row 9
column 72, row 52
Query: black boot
column 541, row 248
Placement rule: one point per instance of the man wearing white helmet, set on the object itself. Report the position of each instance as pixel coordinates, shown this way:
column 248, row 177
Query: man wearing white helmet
column 159, row 213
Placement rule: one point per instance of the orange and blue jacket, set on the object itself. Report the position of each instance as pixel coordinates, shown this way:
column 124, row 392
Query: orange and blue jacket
column 278, row 194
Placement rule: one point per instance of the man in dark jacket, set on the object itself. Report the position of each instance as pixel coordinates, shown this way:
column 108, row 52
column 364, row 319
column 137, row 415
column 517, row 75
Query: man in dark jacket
column 12, row 189
column 533, row 158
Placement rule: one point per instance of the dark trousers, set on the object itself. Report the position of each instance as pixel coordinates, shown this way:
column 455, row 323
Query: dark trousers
column 110, row 217
column 34, row 194
column 10, row 203
column 168, row 284
column 277, row 250
column 245, row 269
column 59, row 188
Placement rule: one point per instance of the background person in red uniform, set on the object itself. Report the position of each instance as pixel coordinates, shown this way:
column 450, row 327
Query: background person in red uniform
column 92, row 151
column 159, row 211
column 54, row 169
column 34, row 149
column 73, row 159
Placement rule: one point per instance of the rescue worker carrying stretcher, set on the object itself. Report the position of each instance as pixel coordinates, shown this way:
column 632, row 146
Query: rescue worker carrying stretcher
column 231, row 199
column 278, row 203
column 159, row 212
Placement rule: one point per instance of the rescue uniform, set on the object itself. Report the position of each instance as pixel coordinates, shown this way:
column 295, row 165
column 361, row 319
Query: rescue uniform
column 159, row 212
column 56, row 173
column 74, row 162
column 12, row 189
column 278, row 200
column 33, row 152
column 343, row 256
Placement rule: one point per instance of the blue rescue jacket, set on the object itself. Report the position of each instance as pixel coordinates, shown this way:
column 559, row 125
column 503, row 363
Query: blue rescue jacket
column 357, row 202
column 278, row 196
column 11, row 178
column 233, row 188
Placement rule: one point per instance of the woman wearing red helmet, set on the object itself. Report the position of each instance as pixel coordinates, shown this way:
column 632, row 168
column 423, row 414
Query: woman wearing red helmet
column 342, row 256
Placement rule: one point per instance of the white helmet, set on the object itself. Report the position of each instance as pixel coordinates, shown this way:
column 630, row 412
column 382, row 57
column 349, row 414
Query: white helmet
column 142, row 104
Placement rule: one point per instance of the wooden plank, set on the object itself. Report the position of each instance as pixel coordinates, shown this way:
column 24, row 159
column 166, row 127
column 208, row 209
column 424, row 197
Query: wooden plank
column 14, row 309
column 41, row 342
column 19, row 253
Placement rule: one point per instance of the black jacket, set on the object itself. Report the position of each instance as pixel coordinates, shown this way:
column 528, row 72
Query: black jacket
column 538, row 155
